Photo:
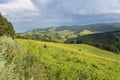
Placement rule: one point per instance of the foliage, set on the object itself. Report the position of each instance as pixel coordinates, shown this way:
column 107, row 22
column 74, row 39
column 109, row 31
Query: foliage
column 86, row 32
column 35, row 60
column 16, row 63
column 109, row 40
column 6, row 27
column 62, row 33
column 51, row 35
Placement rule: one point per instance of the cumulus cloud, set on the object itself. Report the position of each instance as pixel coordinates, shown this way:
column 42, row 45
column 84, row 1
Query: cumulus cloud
column 17, row 5
column 17, row 9
column 98, row 7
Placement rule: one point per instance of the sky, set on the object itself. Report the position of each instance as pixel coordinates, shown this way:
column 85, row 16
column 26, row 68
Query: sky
column 32, row 14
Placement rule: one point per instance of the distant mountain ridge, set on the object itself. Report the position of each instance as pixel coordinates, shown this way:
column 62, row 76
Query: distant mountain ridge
column 62, row 33
column 104, row 36
column 101, row 27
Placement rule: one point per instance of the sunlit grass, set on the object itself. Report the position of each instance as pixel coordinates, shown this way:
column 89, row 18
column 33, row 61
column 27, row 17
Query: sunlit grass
column 64, row 60
column 39, row 60
column 83, row 49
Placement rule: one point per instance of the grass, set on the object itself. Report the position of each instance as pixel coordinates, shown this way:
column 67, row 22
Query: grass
column 83, row 49
column 85, row 32
column 36, row 60
column 79, row 62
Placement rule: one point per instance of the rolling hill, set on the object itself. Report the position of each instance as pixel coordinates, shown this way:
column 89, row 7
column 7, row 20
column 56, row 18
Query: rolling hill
column 62, row 33
column 108, row 40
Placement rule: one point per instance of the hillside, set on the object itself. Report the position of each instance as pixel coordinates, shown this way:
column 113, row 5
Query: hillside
column 29, row 59
column 101, row 27
column 62, row 33
column 6, row 27
column 108, row 40
column 86, row 32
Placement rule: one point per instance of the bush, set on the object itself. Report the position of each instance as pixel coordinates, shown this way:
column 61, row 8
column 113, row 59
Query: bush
column 17, row 63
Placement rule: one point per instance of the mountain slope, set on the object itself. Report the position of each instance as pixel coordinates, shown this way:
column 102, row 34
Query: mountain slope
column 108, row 40
column 61, row 34
column 102, row 27
column 79, row 48
column 30, row 59
column 64, row 61
column 86, row 32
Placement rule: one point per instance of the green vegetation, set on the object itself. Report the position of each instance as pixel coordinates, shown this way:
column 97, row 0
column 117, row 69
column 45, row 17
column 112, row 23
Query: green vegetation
column 86, row 32
column 36, row 60
column 51, row 35
column 108, row 40
column 63, row 33
column 6, row 27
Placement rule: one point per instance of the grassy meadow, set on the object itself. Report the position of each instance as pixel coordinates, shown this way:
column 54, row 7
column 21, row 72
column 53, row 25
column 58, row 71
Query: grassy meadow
column 23, row 59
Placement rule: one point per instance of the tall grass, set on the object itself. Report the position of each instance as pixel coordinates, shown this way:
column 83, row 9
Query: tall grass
column 33, row 60
column 16, row 63
column 64, row 62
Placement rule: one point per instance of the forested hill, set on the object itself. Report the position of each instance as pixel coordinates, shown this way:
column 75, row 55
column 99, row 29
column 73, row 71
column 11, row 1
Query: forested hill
column 6, row 27
column 108, row 40
column 101, row 27
column 62, row 33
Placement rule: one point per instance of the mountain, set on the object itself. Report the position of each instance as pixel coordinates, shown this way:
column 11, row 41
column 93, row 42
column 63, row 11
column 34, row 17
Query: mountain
column 108, row 40
column 62, row 33
column 6, row 27
column 102, row 27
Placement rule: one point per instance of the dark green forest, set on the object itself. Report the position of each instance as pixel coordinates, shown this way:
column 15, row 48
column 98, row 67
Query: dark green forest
column 6, row 27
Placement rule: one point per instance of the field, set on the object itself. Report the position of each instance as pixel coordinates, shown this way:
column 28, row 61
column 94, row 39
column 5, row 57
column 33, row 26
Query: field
column 85, row 32
column 36, row 60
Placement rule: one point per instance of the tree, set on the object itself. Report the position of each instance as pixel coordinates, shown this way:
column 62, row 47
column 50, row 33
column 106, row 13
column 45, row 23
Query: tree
column 6, row 28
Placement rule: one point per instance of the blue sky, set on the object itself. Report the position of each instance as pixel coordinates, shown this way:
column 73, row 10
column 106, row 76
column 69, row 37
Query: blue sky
column 30, row 14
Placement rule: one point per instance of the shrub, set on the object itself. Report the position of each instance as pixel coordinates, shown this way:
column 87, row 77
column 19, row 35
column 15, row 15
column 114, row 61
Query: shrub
column 16, row 62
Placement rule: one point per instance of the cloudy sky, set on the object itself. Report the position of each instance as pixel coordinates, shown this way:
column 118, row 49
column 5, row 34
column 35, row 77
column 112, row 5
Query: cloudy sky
column 30, row 14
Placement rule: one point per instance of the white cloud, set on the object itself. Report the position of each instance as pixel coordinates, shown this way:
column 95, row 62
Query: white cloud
column 97, row 7
column 58, row 20
column 15, row 5
column 42, row 2
column 16, row 9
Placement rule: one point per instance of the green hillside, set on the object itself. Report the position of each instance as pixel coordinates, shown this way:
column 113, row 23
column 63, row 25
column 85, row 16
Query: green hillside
column 51, row 35
column 62, row 33
column 36, row 60
column 109, row 40
column 86, row 32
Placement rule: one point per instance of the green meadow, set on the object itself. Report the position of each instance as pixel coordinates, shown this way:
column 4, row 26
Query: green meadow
column 23, row 59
